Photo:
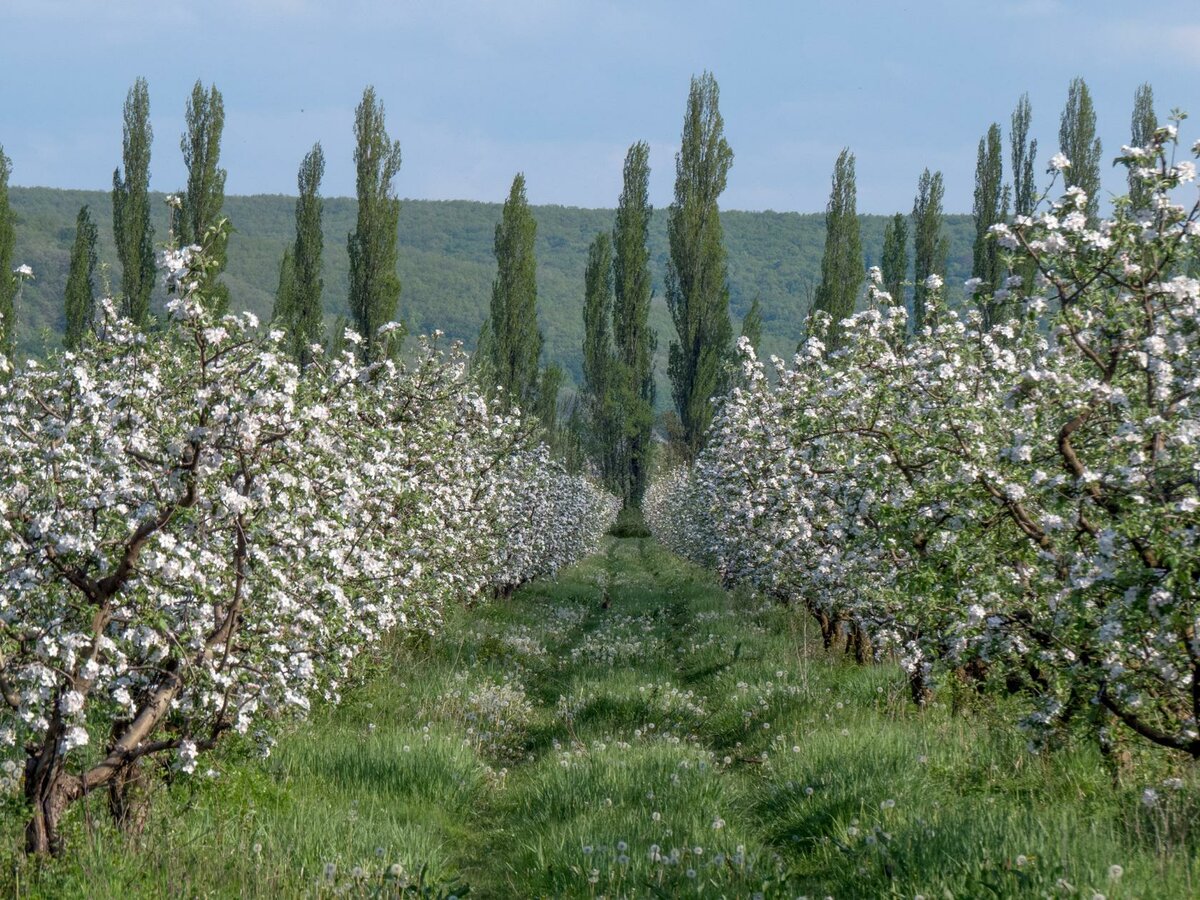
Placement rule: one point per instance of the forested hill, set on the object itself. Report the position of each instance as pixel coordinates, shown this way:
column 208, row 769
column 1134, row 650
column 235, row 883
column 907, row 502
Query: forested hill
column 446, row 263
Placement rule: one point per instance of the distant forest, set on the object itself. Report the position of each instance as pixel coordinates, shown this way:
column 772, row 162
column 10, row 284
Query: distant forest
column 447, row 264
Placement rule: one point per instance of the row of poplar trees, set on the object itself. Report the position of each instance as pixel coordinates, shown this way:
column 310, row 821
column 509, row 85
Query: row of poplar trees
column 618, row 349
column 196, row 213
column 613, row 419
column 842, row 269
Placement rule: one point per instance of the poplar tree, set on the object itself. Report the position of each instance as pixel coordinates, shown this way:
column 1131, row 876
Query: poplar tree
column 201, row 202
column 895, row 257
column 1023, row 152
column 600, row 374
column 80, row 294
column 697, row 284
column 283, row 313
column 842, row 262
column 752, row 324
column 929, row 245
column 132, row 231
column 374, row 284
column 1078, row 142
column 634, row 342
column 515, row 342
column 1144, row 123
column 298, row 301
column 8, row 281
column 545, row 402
column 990, row 207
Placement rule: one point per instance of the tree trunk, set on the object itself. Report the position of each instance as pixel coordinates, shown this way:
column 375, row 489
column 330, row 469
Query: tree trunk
column 48, row 791
column 828, row 629
column 129, row 799
column 919, row 687
column 862, row 646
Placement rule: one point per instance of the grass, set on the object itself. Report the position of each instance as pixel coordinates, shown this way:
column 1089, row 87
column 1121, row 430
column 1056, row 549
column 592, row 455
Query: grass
column 677, row 741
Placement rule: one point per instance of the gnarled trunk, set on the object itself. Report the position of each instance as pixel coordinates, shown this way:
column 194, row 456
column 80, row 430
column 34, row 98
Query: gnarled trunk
column 129, row 798
column 49, row 791
column 828, row 629
column 862, row 646
column 918, row 685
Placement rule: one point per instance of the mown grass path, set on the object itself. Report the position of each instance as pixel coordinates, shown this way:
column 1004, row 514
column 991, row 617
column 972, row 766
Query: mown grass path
column 632, row 730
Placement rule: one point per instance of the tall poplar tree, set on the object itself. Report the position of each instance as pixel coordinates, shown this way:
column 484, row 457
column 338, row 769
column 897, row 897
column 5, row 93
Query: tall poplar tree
column 697, row 284
column 374, row 284
column 1143, row 125
column 752, row 323
column 545, row 402
column 1023, row 152
column 132, row 231
column 80, row 294
column 298, row 300
column 929, row 244
column 990, row 207
column 284, row 312
column 895, row 257
column 515, row 342
column 634, row 342
column 842, row 262
column 201, row 203
column 8, row 281
column 1078, row 142
column 600, row 367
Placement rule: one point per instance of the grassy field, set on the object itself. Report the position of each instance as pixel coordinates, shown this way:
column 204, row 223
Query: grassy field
column 632, row 730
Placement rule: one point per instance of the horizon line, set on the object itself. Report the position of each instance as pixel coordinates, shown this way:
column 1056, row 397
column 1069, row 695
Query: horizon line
column 790, row 212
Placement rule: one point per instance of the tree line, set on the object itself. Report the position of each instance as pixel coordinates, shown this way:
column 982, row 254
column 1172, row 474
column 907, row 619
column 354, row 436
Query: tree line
column 611, row 423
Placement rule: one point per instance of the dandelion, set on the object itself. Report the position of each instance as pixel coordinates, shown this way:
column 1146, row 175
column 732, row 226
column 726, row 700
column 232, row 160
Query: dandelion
column 330, row 871
column 718, row 823
column 1022, row 861
column 1115, row 871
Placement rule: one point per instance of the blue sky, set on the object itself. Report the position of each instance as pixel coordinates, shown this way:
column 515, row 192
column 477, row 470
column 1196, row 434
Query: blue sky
column 477, row 90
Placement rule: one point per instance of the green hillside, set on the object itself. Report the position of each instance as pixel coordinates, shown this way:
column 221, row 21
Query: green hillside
column 446, row 263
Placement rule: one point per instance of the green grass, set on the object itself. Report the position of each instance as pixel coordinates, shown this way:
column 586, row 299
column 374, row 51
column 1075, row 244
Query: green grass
column 679, row 742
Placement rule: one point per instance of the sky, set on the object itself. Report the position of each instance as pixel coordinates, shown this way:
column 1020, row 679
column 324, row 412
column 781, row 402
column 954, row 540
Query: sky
column 477, row 90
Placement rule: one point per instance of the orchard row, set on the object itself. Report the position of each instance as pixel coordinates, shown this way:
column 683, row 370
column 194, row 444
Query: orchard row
column 1010, row 493
column 198, row 538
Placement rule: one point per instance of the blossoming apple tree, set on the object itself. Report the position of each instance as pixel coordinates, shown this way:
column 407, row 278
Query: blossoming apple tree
column 198, row 538
column 1017, row 501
